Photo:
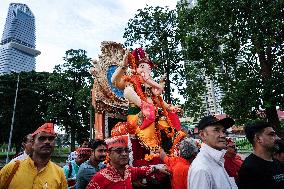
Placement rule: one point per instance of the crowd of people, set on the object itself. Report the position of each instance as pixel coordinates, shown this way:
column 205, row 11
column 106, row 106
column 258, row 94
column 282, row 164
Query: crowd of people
column 99, row 164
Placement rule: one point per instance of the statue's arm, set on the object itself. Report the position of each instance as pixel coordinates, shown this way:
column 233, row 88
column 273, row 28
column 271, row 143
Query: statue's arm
column 117, row 77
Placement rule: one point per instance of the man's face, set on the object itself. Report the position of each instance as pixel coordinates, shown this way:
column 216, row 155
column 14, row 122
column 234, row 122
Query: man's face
column 28, row 145
column 214, row 136
column 231, row 149
column 99, row 154
column 267, row 139
column 119, row 156
column 81, row 158
column 44, row 143
column 85, row 144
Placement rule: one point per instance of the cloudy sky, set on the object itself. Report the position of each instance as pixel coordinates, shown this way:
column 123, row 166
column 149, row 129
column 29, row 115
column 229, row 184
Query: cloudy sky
column 77, row 24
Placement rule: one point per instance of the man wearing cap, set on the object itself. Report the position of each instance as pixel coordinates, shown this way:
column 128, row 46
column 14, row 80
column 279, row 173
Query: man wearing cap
column 118, row 174
column 259, row 169
column 93, row 165
column 71, row 168
column 178, row 166
column 207, row 169
column 233, row 161
column 73, row 155
column 37, row 171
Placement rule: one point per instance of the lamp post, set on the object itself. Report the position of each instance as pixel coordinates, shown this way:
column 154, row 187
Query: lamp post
column 13, row 119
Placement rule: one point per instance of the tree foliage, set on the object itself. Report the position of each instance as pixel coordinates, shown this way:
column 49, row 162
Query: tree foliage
column 70, row 86
column 154, row 29
column 240, row 45
column 31, row 105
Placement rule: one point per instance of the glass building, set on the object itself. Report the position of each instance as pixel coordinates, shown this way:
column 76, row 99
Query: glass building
column 17, row 50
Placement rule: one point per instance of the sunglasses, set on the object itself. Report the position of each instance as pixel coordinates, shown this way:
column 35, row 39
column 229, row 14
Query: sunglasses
column 44, row 138
column 120, row 150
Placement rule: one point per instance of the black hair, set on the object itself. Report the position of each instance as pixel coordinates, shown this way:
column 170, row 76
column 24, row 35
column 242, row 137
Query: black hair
column 254, row 127
column 280, row 145
column 82, row 140
column 93, row 144
column 25, row 139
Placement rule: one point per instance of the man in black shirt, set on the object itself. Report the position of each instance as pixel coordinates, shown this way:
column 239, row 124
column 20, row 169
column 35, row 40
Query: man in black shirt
column 259, row 169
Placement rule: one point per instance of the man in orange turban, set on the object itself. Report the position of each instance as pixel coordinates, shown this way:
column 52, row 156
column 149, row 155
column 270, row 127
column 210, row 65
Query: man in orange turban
column 41, row 171
column 118, row 174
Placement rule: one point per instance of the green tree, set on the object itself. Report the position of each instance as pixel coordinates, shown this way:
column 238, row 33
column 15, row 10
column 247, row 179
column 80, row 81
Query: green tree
column 154, row 29
column 31, row 106
column 70, row 86
column 240, row 45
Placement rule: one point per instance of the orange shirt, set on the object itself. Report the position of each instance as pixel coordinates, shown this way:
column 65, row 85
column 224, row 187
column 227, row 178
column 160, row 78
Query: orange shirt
column 179, row 169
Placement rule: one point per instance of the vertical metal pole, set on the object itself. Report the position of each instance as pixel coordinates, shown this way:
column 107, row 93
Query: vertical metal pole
column 91, row 117
column 13, row 119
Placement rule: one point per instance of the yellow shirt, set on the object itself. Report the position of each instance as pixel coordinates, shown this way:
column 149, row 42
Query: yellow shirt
column 28, row 177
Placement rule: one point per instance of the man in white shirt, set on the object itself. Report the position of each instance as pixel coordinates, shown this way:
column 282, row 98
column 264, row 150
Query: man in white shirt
column 207, row 169
column 27, row 145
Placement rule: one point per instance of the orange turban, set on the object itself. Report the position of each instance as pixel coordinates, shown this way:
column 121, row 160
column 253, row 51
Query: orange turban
column 121, row 141
column 86, row 151
column 47, row 127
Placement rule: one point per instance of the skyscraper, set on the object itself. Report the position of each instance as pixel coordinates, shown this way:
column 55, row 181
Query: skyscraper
column 17, row 50
column 212, row 98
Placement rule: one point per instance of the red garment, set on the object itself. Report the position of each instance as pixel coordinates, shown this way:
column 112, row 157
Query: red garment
column 233, row 165
column 109, row 178
column 178, row 166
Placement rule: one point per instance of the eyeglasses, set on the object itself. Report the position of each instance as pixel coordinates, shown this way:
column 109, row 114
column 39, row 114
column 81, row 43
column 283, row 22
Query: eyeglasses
column 49, row 138
column 120, row 150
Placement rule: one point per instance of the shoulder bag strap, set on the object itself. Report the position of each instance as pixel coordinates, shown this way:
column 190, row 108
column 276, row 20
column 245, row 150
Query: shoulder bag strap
column 14, row 170
column 70, row 169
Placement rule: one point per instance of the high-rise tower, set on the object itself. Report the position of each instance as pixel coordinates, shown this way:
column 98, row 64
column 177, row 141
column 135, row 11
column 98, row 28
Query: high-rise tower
column 17, row 50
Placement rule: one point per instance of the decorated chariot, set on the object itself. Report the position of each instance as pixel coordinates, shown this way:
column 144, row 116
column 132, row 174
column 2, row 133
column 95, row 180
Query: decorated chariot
column 128, row 102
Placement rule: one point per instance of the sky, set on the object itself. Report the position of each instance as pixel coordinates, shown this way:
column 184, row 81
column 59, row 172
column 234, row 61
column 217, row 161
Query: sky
column 77, row 24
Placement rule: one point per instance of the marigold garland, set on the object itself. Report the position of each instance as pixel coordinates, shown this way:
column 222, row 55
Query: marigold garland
column 157, row 99
column 179, row 137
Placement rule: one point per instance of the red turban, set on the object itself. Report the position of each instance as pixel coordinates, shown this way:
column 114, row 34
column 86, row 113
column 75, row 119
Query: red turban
column 86, row 151
column 47, row 127
column 121, row 141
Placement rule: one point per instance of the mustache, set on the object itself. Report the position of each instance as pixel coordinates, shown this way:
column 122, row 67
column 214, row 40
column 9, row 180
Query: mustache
column 47, row 146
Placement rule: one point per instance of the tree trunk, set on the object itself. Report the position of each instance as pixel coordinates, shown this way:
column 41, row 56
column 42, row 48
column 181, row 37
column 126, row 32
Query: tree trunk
column 72, row 134
column 168, row 84
column 266, row 64
column 272, row 118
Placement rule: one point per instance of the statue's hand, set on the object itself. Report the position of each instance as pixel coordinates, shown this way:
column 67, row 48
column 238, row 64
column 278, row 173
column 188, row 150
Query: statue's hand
column 125, row 58
column 157, row 91
column 174, row 109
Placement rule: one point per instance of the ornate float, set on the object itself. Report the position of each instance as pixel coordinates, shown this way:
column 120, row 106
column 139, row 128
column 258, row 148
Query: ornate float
column 127, row 101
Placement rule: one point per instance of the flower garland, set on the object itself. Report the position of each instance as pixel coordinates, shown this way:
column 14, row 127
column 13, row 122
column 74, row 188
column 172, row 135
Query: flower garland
column 180, row 135
column 157, row 99
column 132, row 61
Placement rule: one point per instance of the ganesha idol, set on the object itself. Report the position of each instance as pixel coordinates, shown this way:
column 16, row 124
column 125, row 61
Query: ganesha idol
column 150, row 118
